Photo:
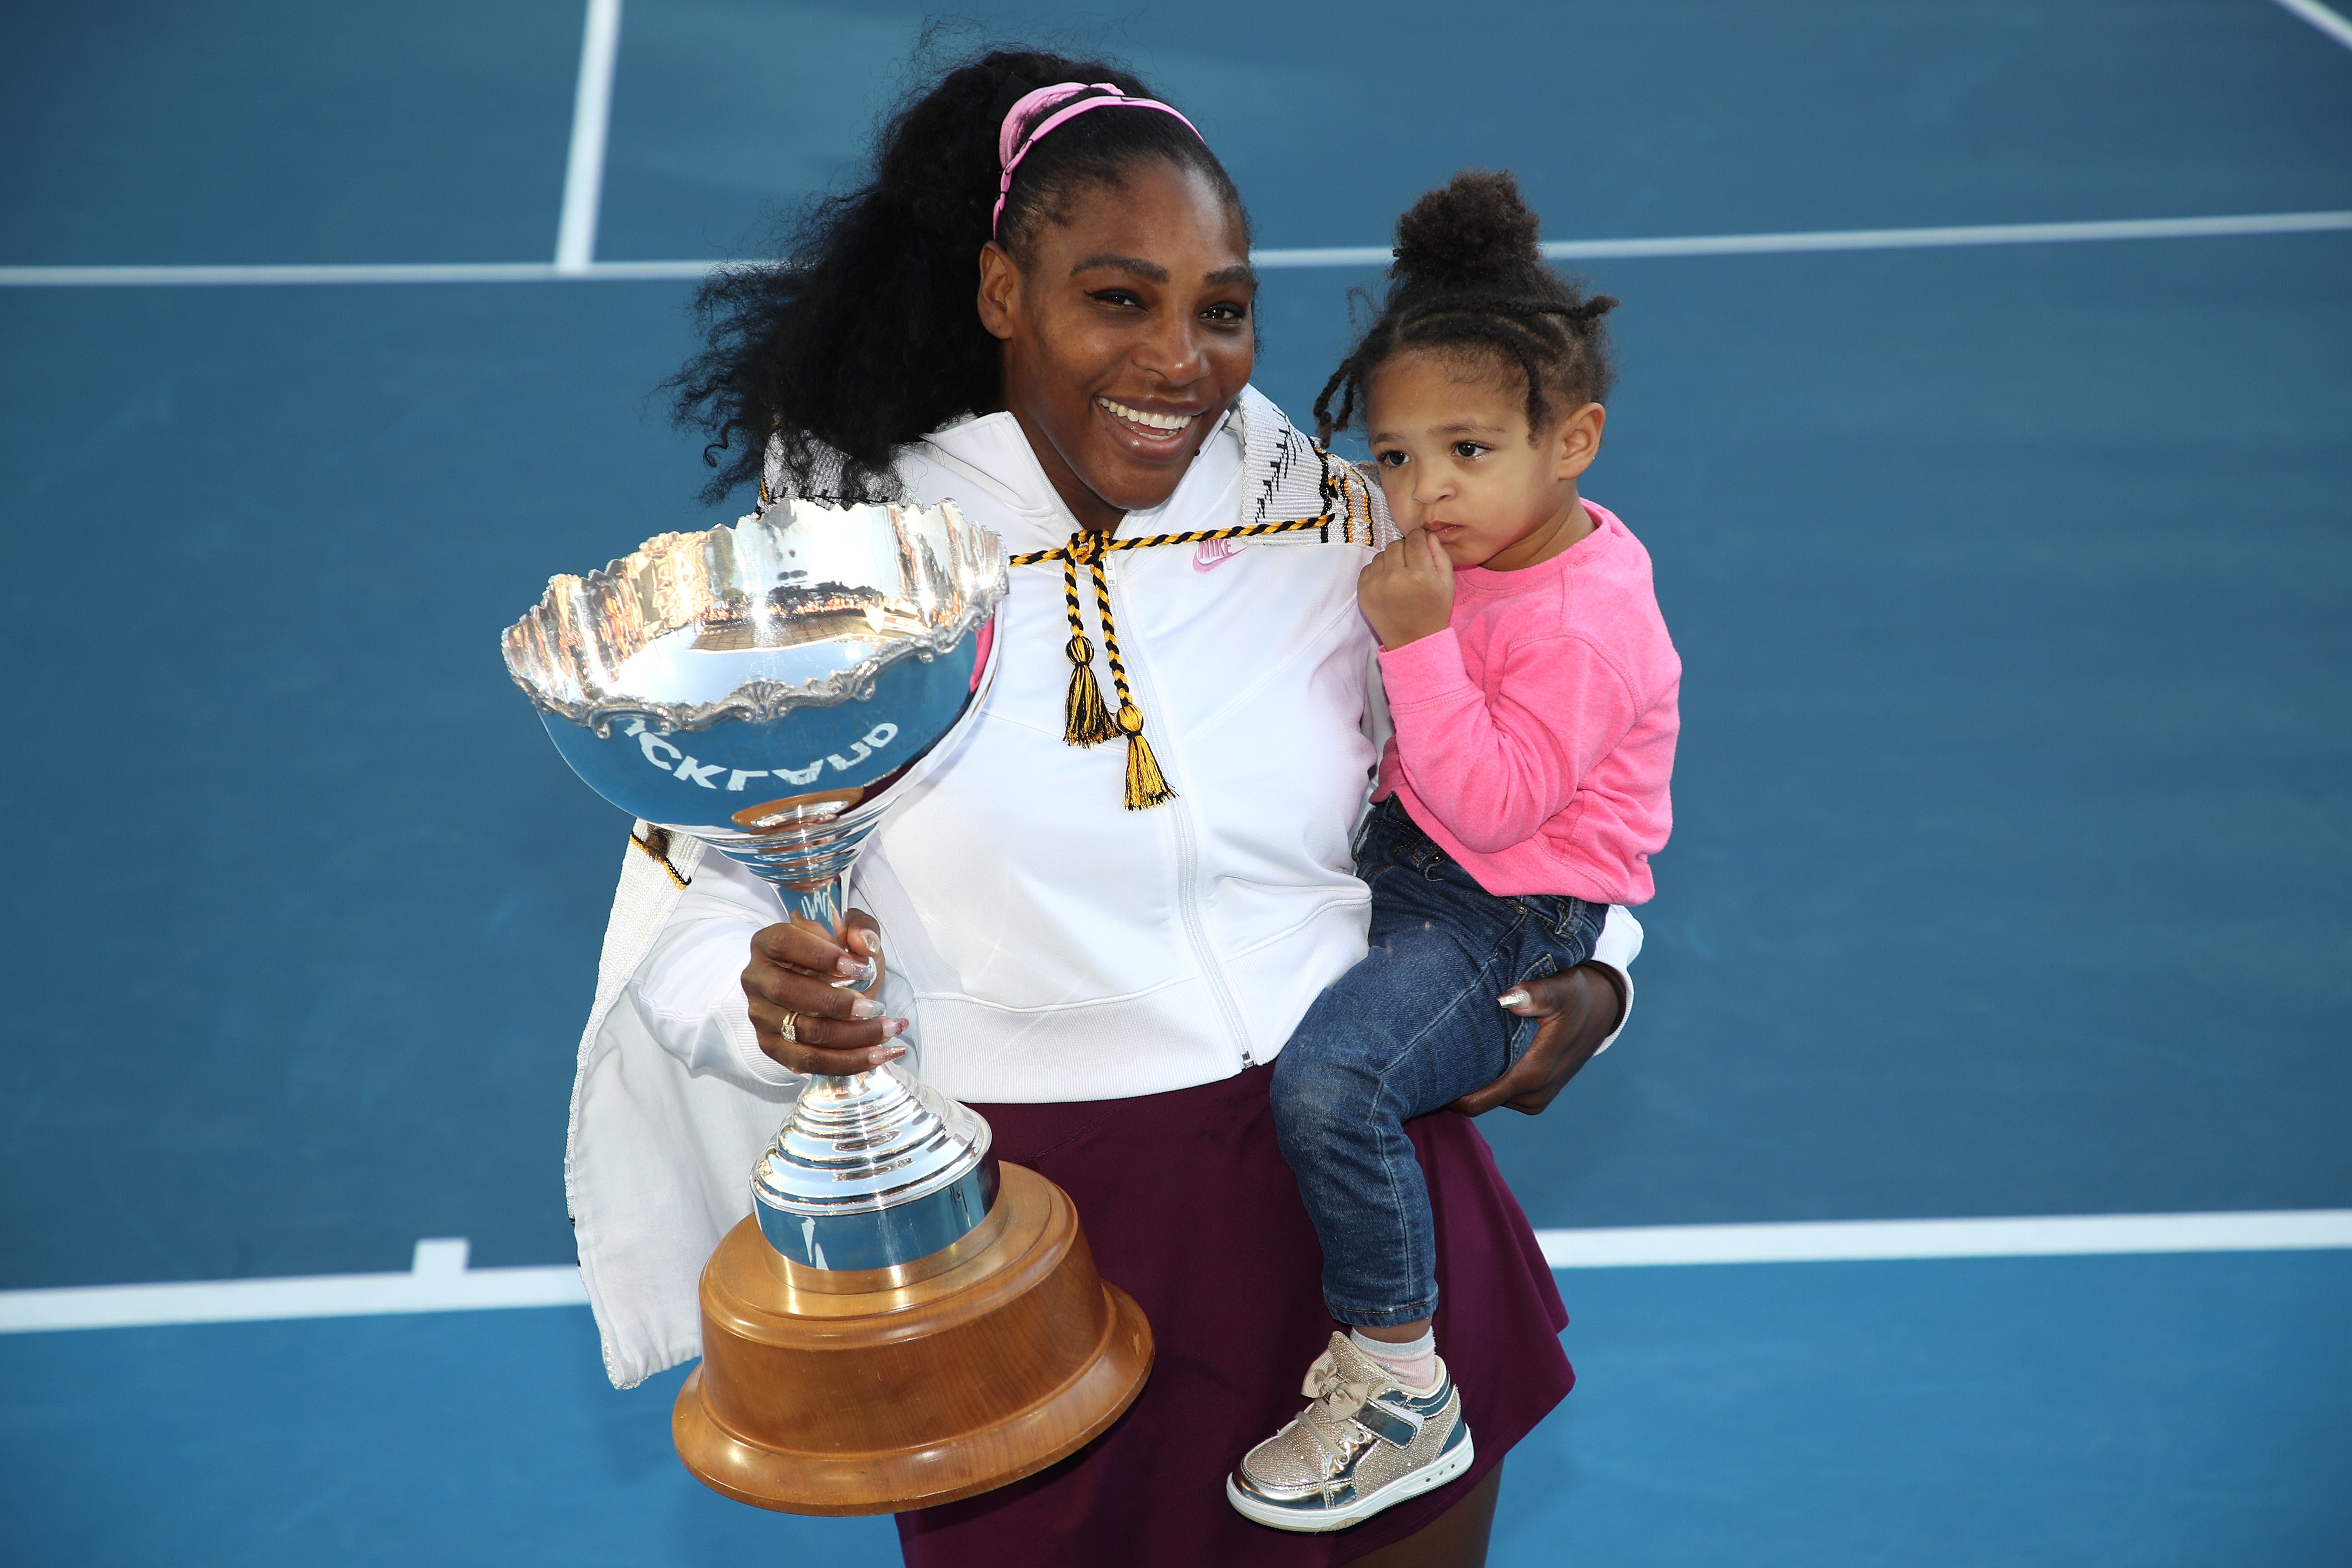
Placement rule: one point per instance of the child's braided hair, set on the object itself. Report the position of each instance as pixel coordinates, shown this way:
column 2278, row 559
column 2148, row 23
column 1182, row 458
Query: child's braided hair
column 1469, row 281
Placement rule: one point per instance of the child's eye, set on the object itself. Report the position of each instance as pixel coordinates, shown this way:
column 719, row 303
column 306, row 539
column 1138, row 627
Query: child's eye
column 1389, row 459
column 1466, row 450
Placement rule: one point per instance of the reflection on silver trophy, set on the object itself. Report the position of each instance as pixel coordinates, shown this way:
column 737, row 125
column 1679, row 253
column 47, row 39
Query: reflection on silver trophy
column 769, row 689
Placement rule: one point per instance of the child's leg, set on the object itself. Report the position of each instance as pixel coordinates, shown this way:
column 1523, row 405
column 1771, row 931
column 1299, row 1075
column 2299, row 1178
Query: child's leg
column 1409, row 1030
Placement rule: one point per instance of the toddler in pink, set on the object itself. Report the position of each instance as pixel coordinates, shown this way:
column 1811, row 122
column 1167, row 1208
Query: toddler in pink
column 1534, row 692
column 1534, row 735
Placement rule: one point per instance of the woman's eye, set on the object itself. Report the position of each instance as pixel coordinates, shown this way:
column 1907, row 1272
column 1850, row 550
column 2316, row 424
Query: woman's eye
column 1468, row 449
column 1114, row 296
column 1228, row 313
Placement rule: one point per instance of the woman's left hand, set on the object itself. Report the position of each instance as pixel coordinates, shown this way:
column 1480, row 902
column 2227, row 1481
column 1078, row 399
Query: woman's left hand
column 1579, row 1009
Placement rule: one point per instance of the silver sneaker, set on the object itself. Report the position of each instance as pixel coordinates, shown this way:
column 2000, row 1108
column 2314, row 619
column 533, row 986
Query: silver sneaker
column 1365, row 1442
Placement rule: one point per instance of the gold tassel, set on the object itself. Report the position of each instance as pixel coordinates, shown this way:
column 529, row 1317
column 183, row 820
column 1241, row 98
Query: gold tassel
column 1145, row 786
column 1085, row 720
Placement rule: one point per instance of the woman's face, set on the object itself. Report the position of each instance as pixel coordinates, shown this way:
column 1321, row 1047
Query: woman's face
column 1127, row 336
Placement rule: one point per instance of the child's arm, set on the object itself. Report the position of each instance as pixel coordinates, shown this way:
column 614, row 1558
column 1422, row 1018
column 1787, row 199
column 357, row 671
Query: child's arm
column 1495, row 771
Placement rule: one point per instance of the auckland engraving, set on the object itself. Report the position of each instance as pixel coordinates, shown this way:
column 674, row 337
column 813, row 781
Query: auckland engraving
column 686, row 765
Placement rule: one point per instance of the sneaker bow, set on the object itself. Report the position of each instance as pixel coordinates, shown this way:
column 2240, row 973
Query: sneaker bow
column 1340, row 1396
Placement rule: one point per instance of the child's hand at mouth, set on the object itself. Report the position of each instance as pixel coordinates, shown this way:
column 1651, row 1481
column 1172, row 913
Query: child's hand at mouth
column 1407, row 592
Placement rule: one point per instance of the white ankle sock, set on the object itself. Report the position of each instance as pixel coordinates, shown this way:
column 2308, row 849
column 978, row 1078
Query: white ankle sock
column 1413, row 1363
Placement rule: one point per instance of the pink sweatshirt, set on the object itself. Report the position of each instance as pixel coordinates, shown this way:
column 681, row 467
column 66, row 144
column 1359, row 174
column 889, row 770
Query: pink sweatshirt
column 1534, row 735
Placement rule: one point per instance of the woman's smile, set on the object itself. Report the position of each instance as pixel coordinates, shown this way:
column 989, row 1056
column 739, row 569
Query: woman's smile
column 1149, row 432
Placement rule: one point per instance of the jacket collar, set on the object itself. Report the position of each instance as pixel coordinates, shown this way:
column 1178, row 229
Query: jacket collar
column 991, row 455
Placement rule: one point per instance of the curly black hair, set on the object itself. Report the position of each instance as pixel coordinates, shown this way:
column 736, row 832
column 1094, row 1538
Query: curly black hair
column 868, row 336
column 1470, row 280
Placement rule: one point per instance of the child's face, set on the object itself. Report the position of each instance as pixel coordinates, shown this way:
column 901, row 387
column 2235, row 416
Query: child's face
column 1451, row 441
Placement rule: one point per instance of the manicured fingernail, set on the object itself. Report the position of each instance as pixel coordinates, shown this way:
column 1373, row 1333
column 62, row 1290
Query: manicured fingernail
column 893, row 1027
column 1513, row 999
column 846, row 964
column 865, row 1008
column 893, row 1053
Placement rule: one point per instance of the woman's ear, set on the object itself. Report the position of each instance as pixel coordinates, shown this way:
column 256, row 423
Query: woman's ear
column 1576, row 440
column 1000, row 290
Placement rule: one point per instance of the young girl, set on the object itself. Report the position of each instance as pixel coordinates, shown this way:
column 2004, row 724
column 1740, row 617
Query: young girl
column 1533, row 688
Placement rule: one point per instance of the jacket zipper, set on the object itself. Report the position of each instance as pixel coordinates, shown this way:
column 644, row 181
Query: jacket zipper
column 1187, row 858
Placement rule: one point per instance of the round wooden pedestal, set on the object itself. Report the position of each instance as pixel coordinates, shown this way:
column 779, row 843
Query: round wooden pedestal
column 897, row 1389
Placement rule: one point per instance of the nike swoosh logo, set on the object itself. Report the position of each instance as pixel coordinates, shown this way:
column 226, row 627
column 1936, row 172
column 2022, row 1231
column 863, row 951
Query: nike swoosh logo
column 1212, row 553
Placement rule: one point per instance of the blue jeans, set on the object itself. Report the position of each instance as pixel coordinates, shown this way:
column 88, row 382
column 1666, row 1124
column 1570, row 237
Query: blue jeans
column 1409, row 1030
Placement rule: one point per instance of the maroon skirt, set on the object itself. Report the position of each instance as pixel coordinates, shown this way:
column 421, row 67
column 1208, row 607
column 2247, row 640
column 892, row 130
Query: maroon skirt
column 1191, row 1210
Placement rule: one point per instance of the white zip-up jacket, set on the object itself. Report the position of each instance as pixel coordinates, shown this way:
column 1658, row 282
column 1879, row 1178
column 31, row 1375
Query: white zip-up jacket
column 1047, row 943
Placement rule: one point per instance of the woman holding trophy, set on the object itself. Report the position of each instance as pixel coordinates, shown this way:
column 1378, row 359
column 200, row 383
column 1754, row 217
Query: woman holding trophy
column 1097, row 920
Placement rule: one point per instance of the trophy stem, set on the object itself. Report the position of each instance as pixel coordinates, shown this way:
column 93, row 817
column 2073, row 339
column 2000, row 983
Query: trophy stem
column 804, row 847
column 821, row 908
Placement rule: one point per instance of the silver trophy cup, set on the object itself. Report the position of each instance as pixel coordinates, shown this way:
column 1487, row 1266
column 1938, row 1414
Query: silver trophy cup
column 771, row 689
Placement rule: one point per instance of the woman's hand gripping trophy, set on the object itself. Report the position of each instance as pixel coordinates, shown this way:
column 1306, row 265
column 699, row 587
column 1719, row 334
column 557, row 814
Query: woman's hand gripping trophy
column 809, row 1013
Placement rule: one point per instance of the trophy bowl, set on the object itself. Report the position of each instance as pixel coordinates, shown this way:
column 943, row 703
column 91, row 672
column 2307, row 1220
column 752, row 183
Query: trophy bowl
column 901, row 1321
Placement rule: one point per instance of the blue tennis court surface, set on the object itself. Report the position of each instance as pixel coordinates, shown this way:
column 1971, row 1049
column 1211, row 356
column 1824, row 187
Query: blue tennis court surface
column 2125, row 1411
column 2013, row 584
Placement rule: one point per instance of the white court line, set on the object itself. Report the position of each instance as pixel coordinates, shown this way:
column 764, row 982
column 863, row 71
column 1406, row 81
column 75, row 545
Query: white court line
column 2321, row 17
column 1870, row 238
column 2052, row 1236
column 322, row 272
column 439, row 1281
column 1338, row 256
column 591, row 114
column 345, row 272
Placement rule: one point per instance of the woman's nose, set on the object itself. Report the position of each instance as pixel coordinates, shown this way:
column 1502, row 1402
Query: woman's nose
column 1175, row 353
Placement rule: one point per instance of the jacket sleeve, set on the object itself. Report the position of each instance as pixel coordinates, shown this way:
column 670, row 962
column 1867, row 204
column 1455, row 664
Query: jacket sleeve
column 1496, row 769
column 1619, row 945
column 687, row 990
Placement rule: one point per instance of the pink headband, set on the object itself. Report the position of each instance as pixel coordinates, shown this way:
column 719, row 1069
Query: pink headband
column 1010, row 151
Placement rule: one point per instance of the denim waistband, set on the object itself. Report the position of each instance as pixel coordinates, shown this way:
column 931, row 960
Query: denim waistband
column 1391, row 836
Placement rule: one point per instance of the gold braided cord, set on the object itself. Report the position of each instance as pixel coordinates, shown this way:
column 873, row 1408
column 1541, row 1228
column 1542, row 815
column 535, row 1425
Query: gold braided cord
column 657, row 844
column 1087, row 720
column 1196, row 536
column 1146, row 785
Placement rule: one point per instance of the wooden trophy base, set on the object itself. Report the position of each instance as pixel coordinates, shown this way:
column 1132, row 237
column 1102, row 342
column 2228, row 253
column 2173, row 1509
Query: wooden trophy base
column 900, row 1388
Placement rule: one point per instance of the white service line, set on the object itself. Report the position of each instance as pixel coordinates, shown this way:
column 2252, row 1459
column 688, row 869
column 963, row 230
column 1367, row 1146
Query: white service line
column 297, row 272
column 2321, row 17
column 2050, row 1235
column 1357, row 256
column 591, row 114
column 439, row 1281
column 1870, row 238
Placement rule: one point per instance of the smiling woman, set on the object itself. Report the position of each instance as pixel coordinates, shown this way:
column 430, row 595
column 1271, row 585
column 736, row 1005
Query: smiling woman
column 868, row 338
column 1041, row 308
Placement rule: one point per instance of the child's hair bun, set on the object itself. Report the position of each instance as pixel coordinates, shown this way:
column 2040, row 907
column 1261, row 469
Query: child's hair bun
column 1470, row 282
column 1473, row 228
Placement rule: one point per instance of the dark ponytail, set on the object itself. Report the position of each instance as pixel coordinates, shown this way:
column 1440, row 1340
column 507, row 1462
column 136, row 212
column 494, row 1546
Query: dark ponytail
column 1469, row 279
column 868, row 336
